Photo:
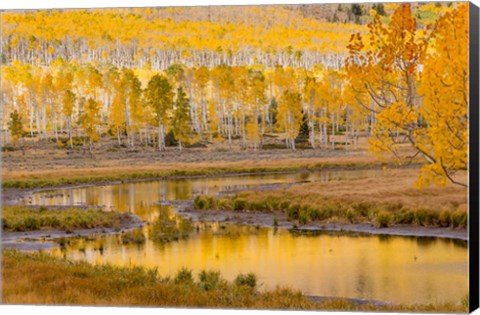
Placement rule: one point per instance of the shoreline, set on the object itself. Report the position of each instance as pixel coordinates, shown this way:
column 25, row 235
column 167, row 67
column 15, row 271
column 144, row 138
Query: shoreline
column 45, row 239
column 11, row 195
column 204, row 172
column 265, row 219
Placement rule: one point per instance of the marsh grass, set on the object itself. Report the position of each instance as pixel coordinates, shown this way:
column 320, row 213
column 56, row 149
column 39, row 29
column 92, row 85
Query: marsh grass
column 165, row 230
column 22, row 218
column 386, row 199
column 39, row 278
column 133, row 237
column 310, row 208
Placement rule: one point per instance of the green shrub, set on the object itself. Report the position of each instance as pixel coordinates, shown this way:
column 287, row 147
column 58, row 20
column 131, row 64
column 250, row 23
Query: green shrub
column 328, row 211
column 404, row 217
column 314, row 214
column 199, row 202
column 248, row 280
column 257, row 205
column 224, row 204
column 351, row 216
column 205, row 202
column 444, row 219
column 42, row 209
column 341, row 211
column 166, row 230
column 183, row 276
column 293, row 211
column 431, row 217
column 284, row 205
column 239, row 204
column 31, row 224
column 459, row 219
column 133, row 237
column 384, row 219
column 420, row 217
column 362, row 209
column 210, row 280
column 303, row 217
column 8, row 149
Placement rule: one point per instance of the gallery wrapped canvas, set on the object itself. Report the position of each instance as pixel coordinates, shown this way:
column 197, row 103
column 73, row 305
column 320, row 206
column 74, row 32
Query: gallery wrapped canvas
column 294, row 157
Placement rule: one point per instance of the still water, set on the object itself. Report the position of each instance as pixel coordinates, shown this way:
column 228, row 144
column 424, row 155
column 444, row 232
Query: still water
column 395, row 269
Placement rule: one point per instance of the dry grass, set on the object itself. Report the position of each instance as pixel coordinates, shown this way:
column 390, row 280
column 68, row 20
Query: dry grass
column 64, row 176
column 38, row 278
column 383, row 200
column 45, row 165
column 394, row 186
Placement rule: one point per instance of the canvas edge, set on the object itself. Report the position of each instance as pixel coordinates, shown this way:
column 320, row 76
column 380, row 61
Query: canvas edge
column 474, row 235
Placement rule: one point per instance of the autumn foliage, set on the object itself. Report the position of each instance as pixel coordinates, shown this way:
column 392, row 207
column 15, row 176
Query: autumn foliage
column 415, row 82
column 230, row 73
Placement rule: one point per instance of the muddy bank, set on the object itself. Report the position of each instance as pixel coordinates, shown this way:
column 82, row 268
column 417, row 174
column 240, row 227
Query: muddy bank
column 280, row 220
column 45, row 239
column 356, row 302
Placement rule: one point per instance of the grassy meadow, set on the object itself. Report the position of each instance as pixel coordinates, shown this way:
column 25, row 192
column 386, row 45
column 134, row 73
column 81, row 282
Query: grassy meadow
column 38, row 278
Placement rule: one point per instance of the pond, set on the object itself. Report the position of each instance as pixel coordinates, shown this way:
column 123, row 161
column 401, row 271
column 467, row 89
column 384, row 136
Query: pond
column 385, row 268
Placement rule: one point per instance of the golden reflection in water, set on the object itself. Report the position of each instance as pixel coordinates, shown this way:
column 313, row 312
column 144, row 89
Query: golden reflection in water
column 137, row 197
column 396, row 269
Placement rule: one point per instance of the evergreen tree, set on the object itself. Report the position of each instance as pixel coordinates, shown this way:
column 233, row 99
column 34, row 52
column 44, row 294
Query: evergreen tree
column 357, row 12
column 379, row 8
column 272, row 113
column 181, row 118
column 357, row 9
column 304, row 133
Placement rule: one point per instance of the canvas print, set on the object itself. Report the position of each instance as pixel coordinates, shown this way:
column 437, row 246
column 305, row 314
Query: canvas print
column 296, row 157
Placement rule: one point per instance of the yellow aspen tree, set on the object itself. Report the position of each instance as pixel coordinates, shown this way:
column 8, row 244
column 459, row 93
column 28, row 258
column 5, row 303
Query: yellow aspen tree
column 159, row 96
column 134, row 107
column 15, row 125
column 242, row 103
column 117, row 110
column 68, row 105
column 443, row 137
column 290, row 116
column 311, row 99
column 47, row 104
column 256, row 85
column 384, row 70
column 90, row 121
column 201, row 76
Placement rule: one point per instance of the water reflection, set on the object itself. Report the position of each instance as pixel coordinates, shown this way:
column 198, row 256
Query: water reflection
column 389, row 268
column 137, row 197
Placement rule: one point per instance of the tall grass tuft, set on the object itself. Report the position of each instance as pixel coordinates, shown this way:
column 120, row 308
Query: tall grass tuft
column 22, row 218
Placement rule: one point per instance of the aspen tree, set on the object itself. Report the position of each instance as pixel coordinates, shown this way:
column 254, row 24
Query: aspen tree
column 290, row 116
column 159, row 97
column 90, row 121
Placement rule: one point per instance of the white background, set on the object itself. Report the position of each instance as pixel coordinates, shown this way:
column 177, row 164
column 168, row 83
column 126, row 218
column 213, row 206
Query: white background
column 61, row 310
